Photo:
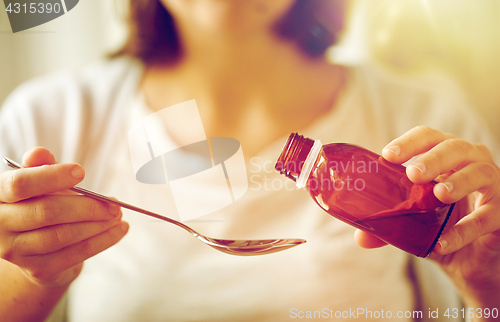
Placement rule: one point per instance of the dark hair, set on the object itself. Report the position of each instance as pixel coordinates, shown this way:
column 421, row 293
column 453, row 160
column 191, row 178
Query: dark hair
column 313, row 25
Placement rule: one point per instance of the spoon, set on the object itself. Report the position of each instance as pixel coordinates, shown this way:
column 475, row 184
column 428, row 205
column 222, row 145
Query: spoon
column 233, row 247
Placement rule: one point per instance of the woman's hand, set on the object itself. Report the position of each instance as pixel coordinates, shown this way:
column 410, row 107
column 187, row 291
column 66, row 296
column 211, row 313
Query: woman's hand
column 46, row 232
column 469, row 249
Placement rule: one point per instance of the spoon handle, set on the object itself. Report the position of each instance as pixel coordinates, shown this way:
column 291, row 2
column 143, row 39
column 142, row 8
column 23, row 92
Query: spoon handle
column 100, row 197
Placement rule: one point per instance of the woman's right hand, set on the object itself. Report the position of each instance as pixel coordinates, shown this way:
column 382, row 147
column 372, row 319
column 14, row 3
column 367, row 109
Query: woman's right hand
column 48, row 232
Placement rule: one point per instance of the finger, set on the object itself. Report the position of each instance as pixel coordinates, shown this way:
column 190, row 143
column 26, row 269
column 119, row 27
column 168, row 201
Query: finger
column 367, row 240
column 449, row 155
column 37, row 157
column 54, row 210
column 414, row 142
column 26, row 183
column 469, row 228
column 42, row 267
column 53, row 238
column 473, row 177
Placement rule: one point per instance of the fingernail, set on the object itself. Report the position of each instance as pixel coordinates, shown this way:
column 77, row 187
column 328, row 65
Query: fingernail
column 443, row 243
column 114, row 209
column 77, row 172
column 394, row 149
column 419, row 166
column 447, row 185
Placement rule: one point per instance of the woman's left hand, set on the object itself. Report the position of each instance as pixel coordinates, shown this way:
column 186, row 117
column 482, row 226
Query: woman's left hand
column 469, row 249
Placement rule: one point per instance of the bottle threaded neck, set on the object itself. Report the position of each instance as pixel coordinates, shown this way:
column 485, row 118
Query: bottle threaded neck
column 294, row 155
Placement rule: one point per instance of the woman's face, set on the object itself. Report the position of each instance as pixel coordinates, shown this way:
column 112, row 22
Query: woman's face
column 227, row 16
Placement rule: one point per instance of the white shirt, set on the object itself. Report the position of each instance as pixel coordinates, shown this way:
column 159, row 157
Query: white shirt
column 158, row 272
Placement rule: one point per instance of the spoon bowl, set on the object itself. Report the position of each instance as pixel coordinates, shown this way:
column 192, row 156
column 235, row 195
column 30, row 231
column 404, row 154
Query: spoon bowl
column 251, row 247
column 233, row 247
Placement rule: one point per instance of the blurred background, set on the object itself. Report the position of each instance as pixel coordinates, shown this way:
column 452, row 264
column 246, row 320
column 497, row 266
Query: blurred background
column 411, row 37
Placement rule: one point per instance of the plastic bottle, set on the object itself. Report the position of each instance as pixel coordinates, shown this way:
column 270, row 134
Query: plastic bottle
column 364, row 190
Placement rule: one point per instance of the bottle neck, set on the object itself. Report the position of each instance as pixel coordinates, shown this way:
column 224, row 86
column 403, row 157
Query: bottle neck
column 297, row 158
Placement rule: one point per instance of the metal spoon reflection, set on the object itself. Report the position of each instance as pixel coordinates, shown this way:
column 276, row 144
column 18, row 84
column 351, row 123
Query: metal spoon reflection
column 233, row 247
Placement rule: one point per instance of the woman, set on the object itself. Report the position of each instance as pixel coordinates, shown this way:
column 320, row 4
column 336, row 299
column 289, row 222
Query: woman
column 256, row 75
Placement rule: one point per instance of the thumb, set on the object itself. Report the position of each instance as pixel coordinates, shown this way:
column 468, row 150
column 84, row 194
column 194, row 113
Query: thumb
column 41, row 156
column 367, row 240
column 37, row 157
column 39, row 175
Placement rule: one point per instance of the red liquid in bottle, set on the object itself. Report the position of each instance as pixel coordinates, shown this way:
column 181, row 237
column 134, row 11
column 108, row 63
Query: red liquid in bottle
column 362, row 189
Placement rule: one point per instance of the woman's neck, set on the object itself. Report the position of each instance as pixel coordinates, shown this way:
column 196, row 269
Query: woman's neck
column 255, row 89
